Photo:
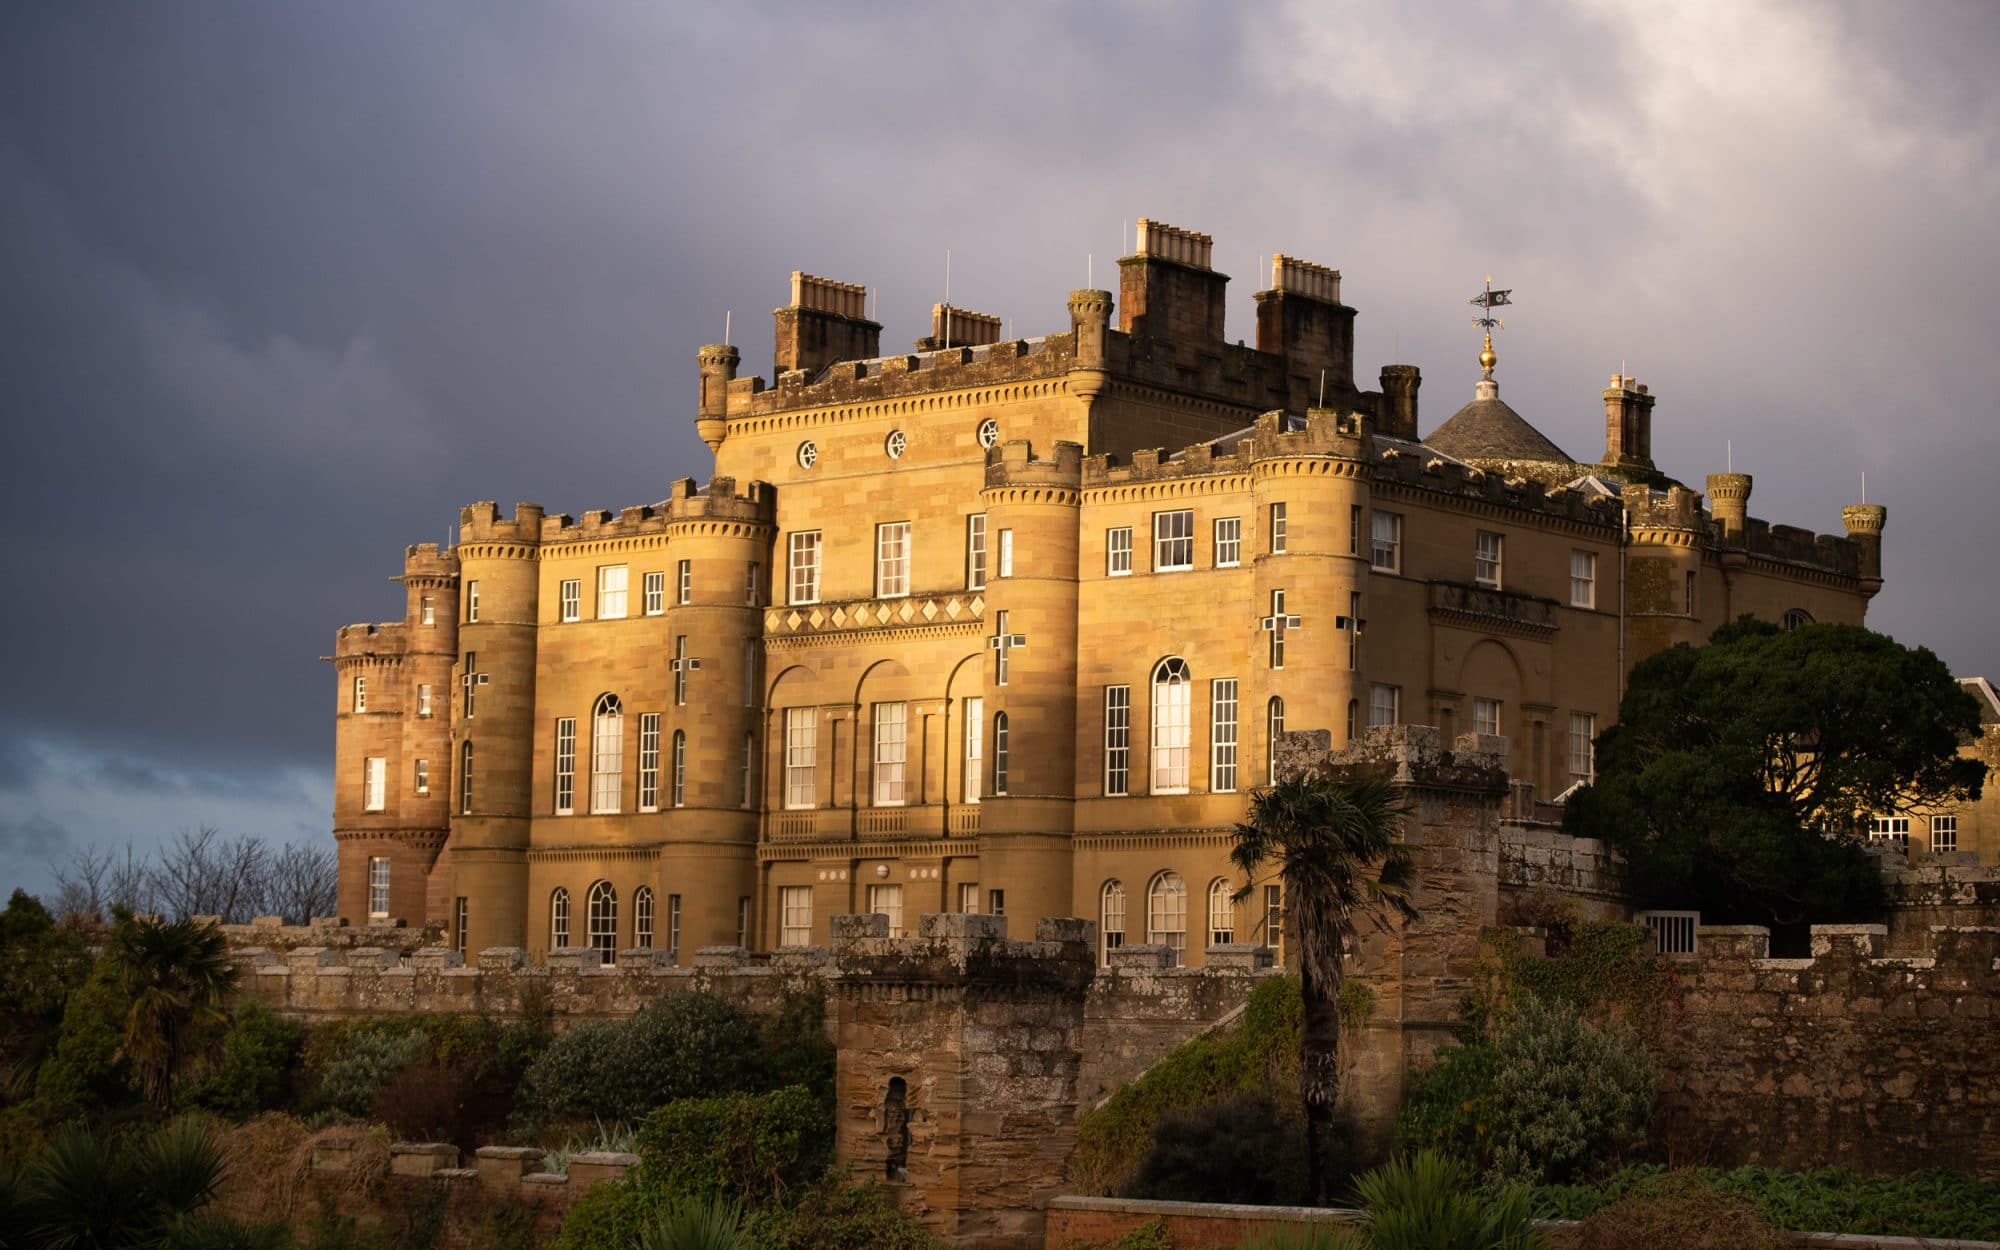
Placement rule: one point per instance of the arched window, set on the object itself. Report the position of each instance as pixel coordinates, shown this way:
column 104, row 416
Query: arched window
column 607, row 753
column 1798, row 618
column 642, row 918
column 559, row 919
column 1111, row 917
column 1173, row 725
column 1221, row 913
column 603, row 901
column 465, row 778
column 1274, row 729
column 1166, row 913
column 680, row 767
column 999, row 752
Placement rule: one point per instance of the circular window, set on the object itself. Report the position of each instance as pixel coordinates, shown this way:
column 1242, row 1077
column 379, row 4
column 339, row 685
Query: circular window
column 808, row 453
column 895, row 444
column 989, row 432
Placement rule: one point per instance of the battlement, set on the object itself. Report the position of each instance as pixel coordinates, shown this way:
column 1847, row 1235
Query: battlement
column 957, row 949
column 426, row 562
column 482, row 523
column 1013, row 463
column 841, row 299
column 858, row 381
column 1789, row 544
column 1678, row 509
column 1854, row 958
column 363, row 640
column 1410, row 755
column 1301, row 277
column 1159, row 241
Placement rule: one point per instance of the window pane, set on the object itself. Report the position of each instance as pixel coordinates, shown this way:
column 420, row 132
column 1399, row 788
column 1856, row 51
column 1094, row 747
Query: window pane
column 890, row 752
column 607, row 755
column 649, row 761
column 801, row 755
column 1166, row 913
column 803, row 563
column 1173, row 726
column 892, row 559
column 565, row 765
column 1582, row 579
column 1222, row 736
column 795, row 915
column 1117, row 739
column 611, row 587
column 1173, row 540
column 1228, row 541
column 975, row 744
column 1118, row 552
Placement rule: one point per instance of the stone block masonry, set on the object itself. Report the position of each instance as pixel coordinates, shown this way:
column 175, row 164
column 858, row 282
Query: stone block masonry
column 1855, row 1057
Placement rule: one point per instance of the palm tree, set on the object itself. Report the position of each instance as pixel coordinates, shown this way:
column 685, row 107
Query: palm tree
column 1328, row 838
column 178, row 976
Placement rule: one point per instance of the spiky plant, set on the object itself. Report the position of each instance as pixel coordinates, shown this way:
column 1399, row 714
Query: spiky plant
column 1431, row 1202
column 1334, row 845
column 708, row 1224
column 178, row 976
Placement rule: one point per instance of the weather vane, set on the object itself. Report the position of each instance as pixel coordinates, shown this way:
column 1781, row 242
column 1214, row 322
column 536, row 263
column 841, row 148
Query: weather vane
column 1486, row 301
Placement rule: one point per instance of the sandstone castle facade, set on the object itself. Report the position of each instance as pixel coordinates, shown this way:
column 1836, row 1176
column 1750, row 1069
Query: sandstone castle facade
column 1012, row 625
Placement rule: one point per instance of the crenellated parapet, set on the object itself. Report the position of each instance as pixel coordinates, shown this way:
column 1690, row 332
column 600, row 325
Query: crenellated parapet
column 366, row 644
column 1014, row 466
column 1397, row 470
column 483, row 532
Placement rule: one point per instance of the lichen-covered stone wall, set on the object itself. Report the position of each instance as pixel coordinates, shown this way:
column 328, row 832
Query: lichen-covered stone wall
column 1856, row 1057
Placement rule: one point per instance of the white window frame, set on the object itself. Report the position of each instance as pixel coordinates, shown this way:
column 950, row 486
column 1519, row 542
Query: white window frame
column 358, row 700
column 1117, row 740
column 968, row 898
column 679, row 764
column 1385, row 542
column 569, row 599
column 974, row 763
column 1280, row 531
column 1890, row 829
column 378, row 887
column 642, row 918
column 1166, row 913
column 607, row 755
column 375, row 783
column 649, row 761
column 472, row 602
column 1173, row 540
column 565, row 766
column 674, row 927
column 1172, row 726
column 423, row 699
column 426, row 610
column 1488, row 559
column 886, row 899
column 1222, row 724
column 614, row 583
column 1385, row 704
column 795, row 915
column 1583, row 746
column 892, row 560
column 1228, row 542
column 801, row 758
column 1944, row 834
column 1274, row 729
column 1487, row 717
column 975, row 551
column 684, row 583
column 1118, row 551
column 422, row 776
column 1274, row 917
column 600, row 923
column 558, row 918
column 656, row 593
column 1005, row 562
column 1221, row 913
column 1002, row 744
column 1111, row 918
column 891, row 751
column 802, row 567
column 1582, row 579
column 465, row 777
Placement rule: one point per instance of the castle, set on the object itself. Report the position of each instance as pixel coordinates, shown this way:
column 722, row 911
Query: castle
column 1011, row 626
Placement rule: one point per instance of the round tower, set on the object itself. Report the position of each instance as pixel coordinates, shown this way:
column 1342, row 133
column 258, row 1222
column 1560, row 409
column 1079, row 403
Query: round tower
column 1312, row 499
column 1729, row 504
column 1864, row 523
column 1663, row 595
column 1030, row 690
column 718, row 370
column 492, row 700
column 709, row 854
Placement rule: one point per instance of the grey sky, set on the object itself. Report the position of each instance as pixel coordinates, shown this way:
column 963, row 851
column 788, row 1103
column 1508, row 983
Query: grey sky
column 281, row 286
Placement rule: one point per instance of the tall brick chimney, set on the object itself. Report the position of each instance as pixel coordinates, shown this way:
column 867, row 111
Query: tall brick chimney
column 1628, row 423
column 825, row 322
column 1398, row 417
column 1166, row 289
column 959, row 327
column 1302, row 319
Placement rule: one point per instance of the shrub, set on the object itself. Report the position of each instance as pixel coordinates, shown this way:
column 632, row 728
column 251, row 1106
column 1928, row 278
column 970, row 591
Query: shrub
column 1827, row 1200
column 684, row 1045
column 1565, row 1095
column 1260, row 1053
column 349, row 1082
column 756, row 1148
column 253, row 1067
column 611, row 1215
column 1685, row 1213
column 86, row 1072
column 836, row 1214
column 1450, row 1105
column 1310, row 1237
column 1240, row 1148
column 1430, row 1202
column 716, row 1224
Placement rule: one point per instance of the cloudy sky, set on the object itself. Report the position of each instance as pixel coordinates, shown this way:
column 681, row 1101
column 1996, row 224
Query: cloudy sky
column 283, row 285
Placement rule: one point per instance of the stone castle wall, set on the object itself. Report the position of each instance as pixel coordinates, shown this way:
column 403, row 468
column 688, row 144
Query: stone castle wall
column 1876, row 1062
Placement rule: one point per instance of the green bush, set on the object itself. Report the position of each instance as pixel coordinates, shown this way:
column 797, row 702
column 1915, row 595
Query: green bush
column 348, row 1082
column 1239, row 1148
column 1684, row 1213
column 1566, row 1096
column 836, row 1214
column 1431, row 1202
column 86, row 1073
column 755, row 1148
column 1936, row 1204
column 714, row 1224
column 1260, row 1053
column 611, row 1215
column 1449, row 1106
column 252, row 1069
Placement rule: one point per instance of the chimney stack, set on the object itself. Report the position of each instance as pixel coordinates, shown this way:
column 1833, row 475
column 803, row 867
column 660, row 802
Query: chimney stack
column 1166, row 289
column 825, row 322
column 1302, row 319
column 1628, row 424
column 959, row 327
column 1398, row 417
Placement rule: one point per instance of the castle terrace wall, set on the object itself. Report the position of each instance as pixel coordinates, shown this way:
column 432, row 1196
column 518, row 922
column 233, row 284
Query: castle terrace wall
column 1875, row 1062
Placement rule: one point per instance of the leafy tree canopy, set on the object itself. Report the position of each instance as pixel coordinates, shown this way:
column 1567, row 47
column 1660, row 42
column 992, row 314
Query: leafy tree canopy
column 1741, row 775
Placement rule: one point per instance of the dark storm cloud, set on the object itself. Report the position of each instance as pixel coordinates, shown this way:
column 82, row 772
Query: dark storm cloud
column 286, row 285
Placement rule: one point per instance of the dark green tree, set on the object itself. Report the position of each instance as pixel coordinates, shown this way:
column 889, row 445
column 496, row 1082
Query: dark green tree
column 41, row 962
column 177, row 976
column 1740, row 776
column 1334, row 844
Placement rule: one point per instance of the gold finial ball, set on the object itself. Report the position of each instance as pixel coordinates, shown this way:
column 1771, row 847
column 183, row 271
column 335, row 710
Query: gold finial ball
column 1486, row 357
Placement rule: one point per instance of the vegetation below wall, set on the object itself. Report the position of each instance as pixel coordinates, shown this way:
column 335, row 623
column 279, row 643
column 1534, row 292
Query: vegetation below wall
column 1826, row 1200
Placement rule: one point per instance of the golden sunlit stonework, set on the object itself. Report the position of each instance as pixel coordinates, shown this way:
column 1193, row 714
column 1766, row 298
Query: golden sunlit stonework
column 1010, row 625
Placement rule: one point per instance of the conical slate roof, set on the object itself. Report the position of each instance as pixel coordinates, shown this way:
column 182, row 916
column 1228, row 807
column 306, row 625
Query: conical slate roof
column 1488, row 430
